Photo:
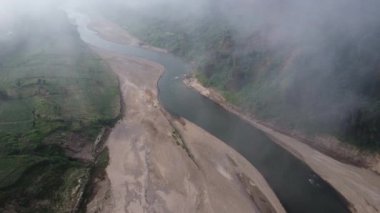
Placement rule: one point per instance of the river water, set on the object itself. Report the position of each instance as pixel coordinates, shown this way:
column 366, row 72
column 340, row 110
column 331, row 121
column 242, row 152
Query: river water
column 296, row 185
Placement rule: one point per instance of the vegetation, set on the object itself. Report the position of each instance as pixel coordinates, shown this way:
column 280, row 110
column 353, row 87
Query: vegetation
column 331, row 88
column 55, row 97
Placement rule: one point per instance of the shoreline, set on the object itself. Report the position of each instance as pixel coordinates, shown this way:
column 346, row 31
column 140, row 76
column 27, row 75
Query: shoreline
column 358, row 186
column 344, row 153
column 142, row 176
column 205, row 162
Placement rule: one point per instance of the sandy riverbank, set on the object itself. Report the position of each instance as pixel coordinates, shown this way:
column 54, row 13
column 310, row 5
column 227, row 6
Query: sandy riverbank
column 163, row 164
column 361, row 187
column 326, row 144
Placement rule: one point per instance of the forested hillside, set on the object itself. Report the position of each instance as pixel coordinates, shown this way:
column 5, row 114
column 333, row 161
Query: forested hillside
column 313, row 67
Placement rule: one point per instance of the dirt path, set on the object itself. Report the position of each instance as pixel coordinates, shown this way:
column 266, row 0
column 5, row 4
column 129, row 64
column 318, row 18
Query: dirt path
column 161, row 164
column 361, row 187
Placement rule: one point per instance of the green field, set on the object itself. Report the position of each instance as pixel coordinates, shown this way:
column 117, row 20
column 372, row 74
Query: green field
column 53, row 90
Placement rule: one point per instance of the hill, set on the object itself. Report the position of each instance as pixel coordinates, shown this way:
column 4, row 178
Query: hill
column 55, row 97
column 308, row 67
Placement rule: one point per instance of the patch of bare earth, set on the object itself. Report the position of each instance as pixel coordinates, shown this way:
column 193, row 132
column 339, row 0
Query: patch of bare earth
column 359, row 186
column 161, row 164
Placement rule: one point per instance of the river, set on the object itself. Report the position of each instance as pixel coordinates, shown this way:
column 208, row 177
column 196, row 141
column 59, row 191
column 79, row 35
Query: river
column 298, row 188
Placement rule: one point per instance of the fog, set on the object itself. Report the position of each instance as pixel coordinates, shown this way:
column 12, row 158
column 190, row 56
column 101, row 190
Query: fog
column 289, row 21
column 303, row 22
column 292, row 21
column 14, row 11
column 330, row 47
column 311, row 36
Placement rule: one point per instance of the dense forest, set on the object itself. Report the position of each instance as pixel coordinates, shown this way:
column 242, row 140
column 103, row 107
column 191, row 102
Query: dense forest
column 319, row 74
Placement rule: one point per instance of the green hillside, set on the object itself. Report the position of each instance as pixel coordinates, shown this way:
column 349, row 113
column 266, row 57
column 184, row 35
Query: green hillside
column 54, row 92
column 321, row 78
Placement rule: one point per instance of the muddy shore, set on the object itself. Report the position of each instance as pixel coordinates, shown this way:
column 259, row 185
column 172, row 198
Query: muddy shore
column 163, row 164
column 359, row 186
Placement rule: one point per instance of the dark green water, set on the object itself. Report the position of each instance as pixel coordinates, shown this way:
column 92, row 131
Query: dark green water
column 298, row 188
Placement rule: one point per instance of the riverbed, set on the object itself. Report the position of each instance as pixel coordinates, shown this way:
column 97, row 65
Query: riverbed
column 297, row 186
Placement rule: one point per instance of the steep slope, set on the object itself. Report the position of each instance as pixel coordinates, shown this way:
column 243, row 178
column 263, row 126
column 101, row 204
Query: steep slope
column 302, row 66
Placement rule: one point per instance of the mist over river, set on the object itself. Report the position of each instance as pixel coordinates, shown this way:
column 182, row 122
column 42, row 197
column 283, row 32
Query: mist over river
column 298, row 188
